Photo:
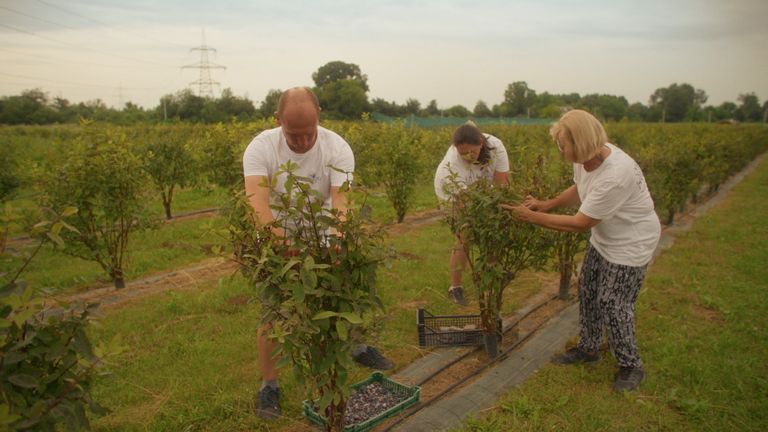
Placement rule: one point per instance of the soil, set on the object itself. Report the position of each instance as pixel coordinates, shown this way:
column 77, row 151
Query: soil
column 370, row 401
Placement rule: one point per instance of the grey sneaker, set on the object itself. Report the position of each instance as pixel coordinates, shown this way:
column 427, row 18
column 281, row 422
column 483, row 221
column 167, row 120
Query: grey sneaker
column 576, row 356
column 456, row 294
column 372, row 358
column 628, row 378
column 269, row 403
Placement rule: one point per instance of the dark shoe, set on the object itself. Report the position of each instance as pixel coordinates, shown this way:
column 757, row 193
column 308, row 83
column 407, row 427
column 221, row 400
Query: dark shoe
column 372, row 358
column 628, row 378
column 576, row 356
column 456, row 294
column 269, row 403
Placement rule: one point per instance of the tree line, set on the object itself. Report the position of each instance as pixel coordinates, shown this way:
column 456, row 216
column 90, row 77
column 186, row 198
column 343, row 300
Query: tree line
column 343, row 89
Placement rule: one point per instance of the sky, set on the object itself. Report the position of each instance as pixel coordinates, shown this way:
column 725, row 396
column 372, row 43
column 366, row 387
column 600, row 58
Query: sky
column 455, row 52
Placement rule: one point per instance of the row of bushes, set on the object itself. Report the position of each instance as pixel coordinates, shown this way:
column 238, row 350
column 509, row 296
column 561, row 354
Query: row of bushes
column 111, row 173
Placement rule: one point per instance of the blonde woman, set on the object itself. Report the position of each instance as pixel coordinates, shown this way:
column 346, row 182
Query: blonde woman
column 614, row 203
column 472, row 155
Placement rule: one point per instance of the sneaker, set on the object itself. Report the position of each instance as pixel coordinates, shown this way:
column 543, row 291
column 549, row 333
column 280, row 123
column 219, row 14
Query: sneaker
column 372, row 358
column 269, row 403
column 576, row 356
column 456, row 294
column 628, row 378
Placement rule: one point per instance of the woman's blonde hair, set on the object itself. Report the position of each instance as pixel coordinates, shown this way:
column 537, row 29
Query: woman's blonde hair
column 583, row 130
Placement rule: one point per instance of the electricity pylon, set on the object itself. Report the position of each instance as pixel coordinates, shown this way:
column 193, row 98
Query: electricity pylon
column 204, row 83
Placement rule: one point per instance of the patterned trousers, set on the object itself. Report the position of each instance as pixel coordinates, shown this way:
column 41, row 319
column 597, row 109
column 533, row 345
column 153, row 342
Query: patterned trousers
column 607, row 295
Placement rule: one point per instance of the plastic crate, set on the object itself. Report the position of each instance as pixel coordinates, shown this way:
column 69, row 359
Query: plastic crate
column 411, row 393
column 449, row 330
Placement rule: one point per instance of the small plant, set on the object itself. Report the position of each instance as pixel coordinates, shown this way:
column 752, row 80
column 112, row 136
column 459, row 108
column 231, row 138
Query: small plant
column 317, row 285
column 547, row 180
column 498, row 246
column 105, row 182
column 47, row 363
column 168, row 156
column 397, row 165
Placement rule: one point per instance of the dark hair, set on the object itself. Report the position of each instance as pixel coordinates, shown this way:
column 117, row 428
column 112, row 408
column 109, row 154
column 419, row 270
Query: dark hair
column 468, row 133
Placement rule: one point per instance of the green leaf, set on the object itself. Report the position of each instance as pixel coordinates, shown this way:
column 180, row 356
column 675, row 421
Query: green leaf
column 298, row 291
column 56, row 238
column 325, row 401
column 23, row 380
column 341, row 329
column 289, row 265
column 324, row 315
column 308, row 278
column 352, row 317
column 69, row 211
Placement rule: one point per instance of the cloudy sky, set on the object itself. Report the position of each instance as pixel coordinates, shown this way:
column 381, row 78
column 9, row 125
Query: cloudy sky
column 457, row 52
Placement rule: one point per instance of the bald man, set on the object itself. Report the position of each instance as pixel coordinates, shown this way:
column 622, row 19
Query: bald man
column 314, row 149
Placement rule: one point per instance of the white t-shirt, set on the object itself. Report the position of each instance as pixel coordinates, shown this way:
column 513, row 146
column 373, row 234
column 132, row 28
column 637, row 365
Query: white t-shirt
column 269, row 150
column 616, row 194
column 469, row 173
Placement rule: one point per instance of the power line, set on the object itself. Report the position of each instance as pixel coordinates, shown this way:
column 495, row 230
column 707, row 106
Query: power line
column 57, row 61
column 74, row 83
column 37, row 18
column 101, row 23
column 83, row 48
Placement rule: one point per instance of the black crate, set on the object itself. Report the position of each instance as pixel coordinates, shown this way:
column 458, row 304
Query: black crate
column 449, row 330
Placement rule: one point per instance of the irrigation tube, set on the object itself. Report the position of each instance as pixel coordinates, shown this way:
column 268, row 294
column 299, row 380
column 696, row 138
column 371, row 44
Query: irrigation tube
column 504, row 354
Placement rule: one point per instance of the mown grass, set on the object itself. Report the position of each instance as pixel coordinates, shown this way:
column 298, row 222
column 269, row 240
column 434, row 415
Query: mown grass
column 702, row 330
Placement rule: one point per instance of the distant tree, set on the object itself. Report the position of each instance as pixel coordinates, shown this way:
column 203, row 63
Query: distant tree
column 518, row 99
column 345, row 99
column 431, row 110
column 412, row 106
column 678, row 102
column 638, row 112
column 31, row 107
column 482, row 110
column 726, row 110
column 335, row 71
column 571, row 99
column 549, row 112
column 749, row 110
column 233, row 106
column 607, row 107
column 268, row 106
column 457, row 111
column 342, row 90
column 382, row 106
column 133, row 113
column 544, row 101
